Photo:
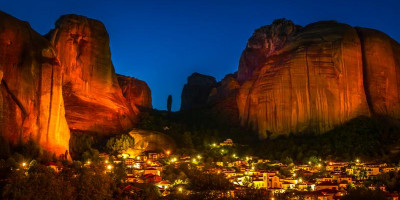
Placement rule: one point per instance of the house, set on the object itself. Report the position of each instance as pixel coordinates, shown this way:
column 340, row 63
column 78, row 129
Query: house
column 227, row 142
column 327, row 185
column 153, row 171
column 150, row 178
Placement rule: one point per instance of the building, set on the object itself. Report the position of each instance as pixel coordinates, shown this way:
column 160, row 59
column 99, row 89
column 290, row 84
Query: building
column 227, row 142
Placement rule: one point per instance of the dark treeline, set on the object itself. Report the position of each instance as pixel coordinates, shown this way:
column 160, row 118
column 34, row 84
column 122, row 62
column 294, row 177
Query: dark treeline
column 363, row 137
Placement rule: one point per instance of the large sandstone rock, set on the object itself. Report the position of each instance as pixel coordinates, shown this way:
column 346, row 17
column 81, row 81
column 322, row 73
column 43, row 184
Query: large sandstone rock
column 136, row 91
column 150, row 141
column 196, row 91
column 93, row 98
column 301, row 79
column 381, row 59
column 31, row 102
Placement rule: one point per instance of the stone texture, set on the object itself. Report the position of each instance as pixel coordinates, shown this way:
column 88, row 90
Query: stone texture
column 196, row 91
column 150, row 141
column 381, row 58
column 222, row 99
column 31, row 102
column 92, row 95
column 135, row 91
column 301, row 79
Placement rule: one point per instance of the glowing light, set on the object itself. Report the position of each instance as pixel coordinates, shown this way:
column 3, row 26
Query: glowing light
column 168, row 152
column 149, row 162
column 199, row 156
column 309, row 162
column 173, row 160
column 23, row 164
column 109, row 167
column 88, row 162
column 194, row 160
column 106, row 161
column 252, row 168
column 234, row 155
column 125, row 156
column 214, row 145
column 319, row 165
column 300, row 180
column 358, row 160
column 180, row 189
column 294, row 175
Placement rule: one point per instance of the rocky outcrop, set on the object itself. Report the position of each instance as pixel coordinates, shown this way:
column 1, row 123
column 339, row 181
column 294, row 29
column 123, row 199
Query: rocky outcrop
column 31, row 102
column 196, row 91
column 381, row 60
column 296, row 79
column 222, row 99
column 92, row 95
column 135, row 91
column 150, row 141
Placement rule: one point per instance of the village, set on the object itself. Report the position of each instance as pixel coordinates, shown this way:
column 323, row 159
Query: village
column 318, row 179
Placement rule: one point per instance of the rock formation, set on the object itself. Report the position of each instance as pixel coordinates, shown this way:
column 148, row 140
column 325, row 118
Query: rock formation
column 222, row 99
column 381, row 60
column 92, row 95
column 196, row 91
column 65, row 83
column 296, row 79
column 31, row 102
column 135, row 91
column 150, row 141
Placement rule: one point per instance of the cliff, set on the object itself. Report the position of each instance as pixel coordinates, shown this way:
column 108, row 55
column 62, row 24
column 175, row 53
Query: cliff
column 62, row 82
column 31, row 101
column 195, row 92
column 135, row 91
column 313, row 78
column 92, row 95
column 295, row 79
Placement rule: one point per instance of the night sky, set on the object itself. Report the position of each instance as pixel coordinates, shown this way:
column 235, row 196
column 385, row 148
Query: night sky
column 163, row 43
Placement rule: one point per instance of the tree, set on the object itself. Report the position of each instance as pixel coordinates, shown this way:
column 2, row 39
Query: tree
column 187, row 140
column 365, row 194
column 120, row 143
column 169, row 103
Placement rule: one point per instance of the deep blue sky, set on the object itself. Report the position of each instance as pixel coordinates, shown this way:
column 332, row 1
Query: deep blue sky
column 163, row 43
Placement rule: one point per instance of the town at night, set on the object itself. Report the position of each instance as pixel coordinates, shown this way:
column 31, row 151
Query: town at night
column 200, row 100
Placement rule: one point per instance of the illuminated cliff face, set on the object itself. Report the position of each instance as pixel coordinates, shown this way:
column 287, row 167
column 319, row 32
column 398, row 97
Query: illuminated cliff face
column 135, row 91
column 31, row 102
column 316, row 77
column 70, row 79
column 93, row 98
